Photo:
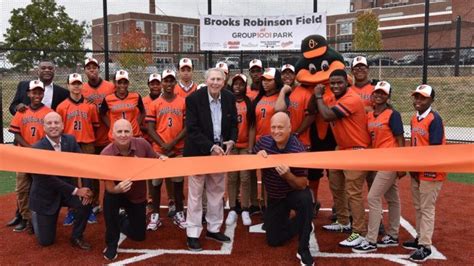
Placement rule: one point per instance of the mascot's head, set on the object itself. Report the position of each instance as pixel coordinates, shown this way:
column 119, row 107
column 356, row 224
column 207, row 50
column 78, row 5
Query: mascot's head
column 318, row 61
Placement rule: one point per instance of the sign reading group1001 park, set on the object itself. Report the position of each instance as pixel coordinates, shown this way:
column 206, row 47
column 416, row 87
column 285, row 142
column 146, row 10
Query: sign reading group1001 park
column 228, row 33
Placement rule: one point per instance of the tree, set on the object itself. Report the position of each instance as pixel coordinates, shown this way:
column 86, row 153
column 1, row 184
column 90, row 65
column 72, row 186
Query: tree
column 134, row 41
column 367, row 35
column 39, row 27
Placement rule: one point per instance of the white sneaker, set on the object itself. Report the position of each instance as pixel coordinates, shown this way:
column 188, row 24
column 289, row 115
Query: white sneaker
column 352, row 241
column 155, row 222
column 179, row 220
column 231, row 218
column 336, row 226
column 246, row 220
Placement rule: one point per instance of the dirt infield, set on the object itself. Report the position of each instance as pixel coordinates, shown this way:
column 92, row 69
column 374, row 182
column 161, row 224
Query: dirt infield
column 452, row 238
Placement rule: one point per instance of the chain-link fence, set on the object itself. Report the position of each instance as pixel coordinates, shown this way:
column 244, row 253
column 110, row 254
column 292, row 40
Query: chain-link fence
column 402, row 68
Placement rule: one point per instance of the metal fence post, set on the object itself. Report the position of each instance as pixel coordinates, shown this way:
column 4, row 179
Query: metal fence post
column 106, row 40
column 458, row 44
column 425, row 42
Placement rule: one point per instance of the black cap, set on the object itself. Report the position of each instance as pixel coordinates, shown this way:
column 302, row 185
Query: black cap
column 314, row 46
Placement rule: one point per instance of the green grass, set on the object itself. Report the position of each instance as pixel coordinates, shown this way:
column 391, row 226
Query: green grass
column 462, row 178
column 7, row 182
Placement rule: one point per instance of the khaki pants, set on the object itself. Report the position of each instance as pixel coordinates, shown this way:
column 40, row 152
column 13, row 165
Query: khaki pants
column 384, row 184
column 424, row 195
column 233, row 183
column 23, row 184
column 347, row 186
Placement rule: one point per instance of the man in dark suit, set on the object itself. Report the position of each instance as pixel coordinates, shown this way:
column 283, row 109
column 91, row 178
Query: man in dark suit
column 211, row 124
column 53, row 94
column 48, row 193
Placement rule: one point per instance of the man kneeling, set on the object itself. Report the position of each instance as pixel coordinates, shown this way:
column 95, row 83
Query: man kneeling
column 287, row 189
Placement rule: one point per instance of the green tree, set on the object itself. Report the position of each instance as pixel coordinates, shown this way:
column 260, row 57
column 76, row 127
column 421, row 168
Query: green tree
column 40, row 26
column 367, row 35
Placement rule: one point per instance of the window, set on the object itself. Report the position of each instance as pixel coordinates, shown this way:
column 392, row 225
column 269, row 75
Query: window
column 188, row 30
column 345, row 28
column 188, row 47
column 162, row 63
column 140, row 25
column 161, row 28
column 161, row 46
column 345, row 46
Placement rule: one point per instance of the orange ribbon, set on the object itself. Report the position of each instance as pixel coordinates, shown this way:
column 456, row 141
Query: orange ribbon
column 457, row 158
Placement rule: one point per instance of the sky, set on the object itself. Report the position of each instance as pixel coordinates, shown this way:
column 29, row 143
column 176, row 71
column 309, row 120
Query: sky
column 86, row 10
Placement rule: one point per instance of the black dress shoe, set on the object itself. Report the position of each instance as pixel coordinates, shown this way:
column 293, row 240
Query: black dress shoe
column 15, row 221
column 219, row 237
column 193, row 244
column 80, row 243
column 22, row 226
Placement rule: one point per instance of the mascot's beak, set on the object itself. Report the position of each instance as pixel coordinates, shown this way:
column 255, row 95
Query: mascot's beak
column 306, row 76
column 317, row 52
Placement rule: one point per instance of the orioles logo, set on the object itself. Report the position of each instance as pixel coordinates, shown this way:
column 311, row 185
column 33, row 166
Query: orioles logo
column 121, row 72
column 185, row 60
column 312, row 43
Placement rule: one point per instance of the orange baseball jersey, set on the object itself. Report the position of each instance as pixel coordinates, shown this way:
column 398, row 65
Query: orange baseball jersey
column 97, row 95
column 322, row 126
column 29, row 124
column 169, row 118
column 252, row 94
column 264, row 111
column 79, row 118
column 428, row 131
column 298, row 109
column 147, row 100
column 126, row 108
column 350, row 129
column 384, row 128
column 365, row 93
column 180, row 91
column 243, row 125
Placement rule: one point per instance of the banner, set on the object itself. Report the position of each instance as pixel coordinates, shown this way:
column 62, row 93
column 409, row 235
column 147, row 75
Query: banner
column 228, row 33
column 441, row 158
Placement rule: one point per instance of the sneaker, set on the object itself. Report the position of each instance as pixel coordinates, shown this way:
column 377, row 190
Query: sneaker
column 420, row 255
column 171, row 209
column 22, row 226
column 154, row 223
column 92, row 219
column 352, row 241
column 388, row 241
column 231, row 218
column 365, row 247
column 337, row 227
column 110, row 254
column 69, row 218
column 246, row 220
column 193, row 244
column 254, row 210
column 180, row 220
column 219, row 237
column 96, row 209
column 411, row 244
column 305, row 257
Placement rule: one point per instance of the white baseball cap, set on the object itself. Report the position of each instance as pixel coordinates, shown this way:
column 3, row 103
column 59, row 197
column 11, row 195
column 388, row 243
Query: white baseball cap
column 74, row 77
column 36, row 84
column 185, row 62
column 90, row 60
column 425, row 90
column 121, row 74
column 154, row 76
column 241, row 76
column 269, row 73
column 359, row 60
column 255, row 63
column 288, row 66
column 223, row 66
column 382, row 85
column 168, row 72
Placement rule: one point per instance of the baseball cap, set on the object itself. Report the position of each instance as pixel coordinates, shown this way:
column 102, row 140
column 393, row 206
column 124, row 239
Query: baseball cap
column 269, row 73
column 255, row 63
column 121, row 74
column 223, row 66
column 36, row 84
column 382, row 85
column 288, row 66
column 185, row 62
column 74, row 77
column 167, row 73
column 425, row 90
column 241, row 76
column 91, row 60
column 154, row 76
column 359, row 60
column 314, row 46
